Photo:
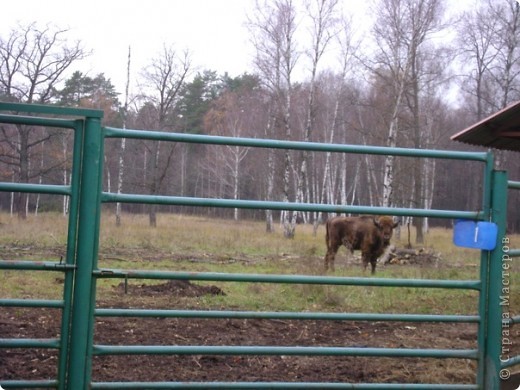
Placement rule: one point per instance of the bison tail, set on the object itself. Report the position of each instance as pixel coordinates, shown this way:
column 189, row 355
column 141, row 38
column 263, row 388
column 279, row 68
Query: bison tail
column 327, row 233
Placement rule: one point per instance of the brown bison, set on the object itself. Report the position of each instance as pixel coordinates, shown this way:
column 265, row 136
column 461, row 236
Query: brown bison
column 370, row 234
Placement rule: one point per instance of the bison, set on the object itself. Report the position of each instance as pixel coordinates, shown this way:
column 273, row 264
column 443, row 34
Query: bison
column 370, row 234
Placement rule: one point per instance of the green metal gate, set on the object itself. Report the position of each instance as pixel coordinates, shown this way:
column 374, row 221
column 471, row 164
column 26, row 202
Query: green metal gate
column 78, row 306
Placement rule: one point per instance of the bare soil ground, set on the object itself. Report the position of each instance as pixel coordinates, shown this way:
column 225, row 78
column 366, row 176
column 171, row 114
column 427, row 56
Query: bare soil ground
column 44, row 323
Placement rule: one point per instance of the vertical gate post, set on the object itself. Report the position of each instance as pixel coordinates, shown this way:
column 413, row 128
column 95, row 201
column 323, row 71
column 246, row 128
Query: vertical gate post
column 82, row 320
column 493, row 321
column 68, row 284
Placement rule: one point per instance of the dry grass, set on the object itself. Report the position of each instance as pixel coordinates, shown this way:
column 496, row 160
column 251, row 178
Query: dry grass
column 188, row 243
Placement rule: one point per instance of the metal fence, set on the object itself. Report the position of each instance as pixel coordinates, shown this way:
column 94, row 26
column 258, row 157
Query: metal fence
column 78, row 306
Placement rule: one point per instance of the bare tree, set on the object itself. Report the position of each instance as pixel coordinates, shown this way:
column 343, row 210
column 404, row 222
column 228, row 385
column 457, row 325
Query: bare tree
column 163, row 80
column 273, row 32
column 489, row 39
column 475, row 38
column 405, row 63
column 506, row 70
column 121, row 167
column 507, row 43
column 324, row 17
column 234, row 114
column 348, row 48
column 391, row 64
column 32, row 62
column 425, row 20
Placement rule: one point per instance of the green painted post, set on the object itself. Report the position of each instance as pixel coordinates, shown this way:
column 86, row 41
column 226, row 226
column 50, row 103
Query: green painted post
column 494, row 342
column 82, row 321
column 71, row 254
column 484, row 265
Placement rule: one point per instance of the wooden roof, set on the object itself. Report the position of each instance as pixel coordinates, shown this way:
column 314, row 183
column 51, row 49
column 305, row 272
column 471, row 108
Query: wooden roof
column 499, row 131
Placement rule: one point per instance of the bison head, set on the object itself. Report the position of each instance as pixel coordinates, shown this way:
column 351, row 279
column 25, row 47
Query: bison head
column 386, row 225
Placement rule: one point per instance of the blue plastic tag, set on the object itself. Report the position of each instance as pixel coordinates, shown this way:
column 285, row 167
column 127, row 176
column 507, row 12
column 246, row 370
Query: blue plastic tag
column 478, row 235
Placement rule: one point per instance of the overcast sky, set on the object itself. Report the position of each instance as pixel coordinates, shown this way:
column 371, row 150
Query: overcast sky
column 213, row 30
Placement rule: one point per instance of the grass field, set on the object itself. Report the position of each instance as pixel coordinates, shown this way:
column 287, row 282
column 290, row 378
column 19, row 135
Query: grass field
column 187, row 243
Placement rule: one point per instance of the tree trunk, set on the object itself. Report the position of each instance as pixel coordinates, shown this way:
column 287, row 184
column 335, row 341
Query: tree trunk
column 269, row 226
column 40, row 180
column 236, row 175
column 152, row 211
column 120, row 173
column 288, row 226
column 121, row 168
column 22, row 198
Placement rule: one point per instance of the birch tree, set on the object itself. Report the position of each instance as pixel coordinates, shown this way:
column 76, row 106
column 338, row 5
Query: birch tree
column 401, row 29
column 122, row 148
column 273, row 30
column 324, row 18
column 347, row 50
column 391, row 64
column 425, row 19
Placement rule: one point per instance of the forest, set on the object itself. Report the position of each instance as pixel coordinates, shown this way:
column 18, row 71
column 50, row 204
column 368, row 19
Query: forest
column 418, row 73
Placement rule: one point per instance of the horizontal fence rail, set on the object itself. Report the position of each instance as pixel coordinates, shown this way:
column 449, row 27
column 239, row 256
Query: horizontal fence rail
column 111, row 132
column 286, row 351
column 277, row 385
column 38, row 121
column 30, row 343
column 222, row 314
column 50, row 189
column 108, row 197
column 515, row 185
column 35, row 265
column 56, row 304
column 47, row 109
column 290, row 279
column 35, row 384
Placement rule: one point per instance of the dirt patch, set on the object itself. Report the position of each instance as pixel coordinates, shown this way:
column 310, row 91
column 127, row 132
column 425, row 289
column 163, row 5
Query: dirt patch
column 180, row 288
column 41, row 364
column 44, row 323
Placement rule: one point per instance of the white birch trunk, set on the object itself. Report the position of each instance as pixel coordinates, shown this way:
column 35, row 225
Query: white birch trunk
column 40, row 180
column 388, row 177
column 429, row 187
column 121, row 168
column 270, row 188
column 289, row 223
column 120, row 173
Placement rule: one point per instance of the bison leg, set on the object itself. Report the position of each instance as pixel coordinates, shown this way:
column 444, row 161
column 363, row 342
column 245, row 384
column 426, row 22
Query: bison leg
column 365, row 259
column 330, row 256
column 368, row 258
column 373, row 263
